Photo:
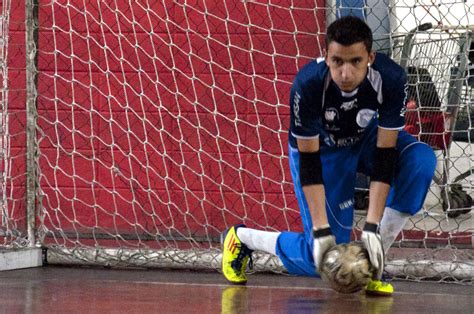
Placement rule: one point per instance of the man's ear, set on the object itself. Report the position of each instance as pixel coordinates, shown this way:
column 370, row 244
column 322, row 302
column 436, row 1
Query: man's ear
column 325, row 55
column 371, row 57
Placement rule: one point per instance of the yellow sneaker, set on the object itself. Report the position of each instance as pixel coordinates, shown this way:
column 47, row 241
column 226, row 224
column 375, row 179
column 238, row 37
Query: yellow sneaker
column 235, row 256
column 379, row 288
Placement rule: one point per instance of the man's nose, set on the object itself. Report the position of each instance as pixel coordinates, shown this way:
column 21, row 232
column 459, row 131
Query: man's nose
column 345, row 71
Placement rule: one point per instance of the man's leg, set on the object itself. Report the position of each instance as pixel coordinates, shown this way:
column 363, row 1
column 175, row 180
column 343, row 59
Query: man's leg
column 295, row 249
column 413, row 177
column 415, row 170
column 258, row 240
column 238, row 243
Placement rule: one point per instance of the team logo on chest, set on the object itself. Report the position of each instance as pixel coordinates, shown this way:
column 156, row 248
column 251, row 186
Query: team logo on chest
column 364, row 116
column 331, row 114
column 348, row 105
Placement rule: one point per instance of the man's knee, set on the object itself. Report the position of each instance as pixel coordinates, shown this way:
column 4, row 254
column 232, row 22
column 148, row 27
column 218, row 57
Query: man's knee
column 423, row 162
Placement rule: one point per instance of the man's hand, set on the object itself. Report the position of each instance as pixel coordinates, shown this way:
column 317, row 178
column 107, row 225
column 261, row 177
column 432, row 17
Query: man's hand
column 373, row 243
column 323, row 241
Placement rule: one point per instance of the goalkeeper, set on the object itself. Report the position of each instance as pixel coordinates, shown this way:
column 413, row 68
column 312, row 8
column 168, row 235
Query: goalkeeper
column 347, row 116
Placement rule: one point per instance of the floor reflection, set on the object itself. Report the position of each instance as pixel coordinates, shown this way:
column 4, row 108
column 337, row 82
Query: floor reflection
column 242, row 299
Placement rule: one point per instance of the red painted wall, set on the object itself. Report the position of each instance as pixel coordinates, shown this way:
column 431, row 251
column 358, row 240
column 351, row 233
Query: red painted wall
column 162, row 120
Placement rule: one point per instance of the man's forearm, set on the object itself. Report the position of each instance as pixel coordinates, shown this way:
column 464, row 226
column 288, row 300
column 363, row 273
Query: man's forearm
column 378, row 193
column 312, row 180
column 316, row 199
column 384, row 163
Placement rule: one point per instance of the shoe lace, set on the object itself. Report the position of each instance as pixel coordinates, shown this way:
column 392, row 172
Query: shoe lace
column 243, row 253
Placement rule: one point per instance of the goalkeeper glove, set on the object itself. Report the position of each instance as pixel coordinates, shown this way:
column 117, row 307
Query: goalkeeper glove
column 373, row 243
column 323, row 241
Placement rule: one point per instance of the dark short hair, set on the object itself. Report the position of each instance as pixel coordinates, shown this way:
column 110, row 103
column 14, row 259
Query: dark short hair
column 349, row 30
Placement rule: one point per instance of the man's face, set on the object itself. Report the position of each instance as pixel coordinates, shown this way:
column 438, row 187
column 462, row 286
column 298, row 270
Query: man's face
column 348, row 64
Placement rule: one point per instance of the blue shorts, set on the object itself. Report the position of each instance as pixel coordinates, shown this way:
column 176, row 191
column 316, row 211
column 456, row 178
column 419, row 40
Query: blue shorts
column 415, row 170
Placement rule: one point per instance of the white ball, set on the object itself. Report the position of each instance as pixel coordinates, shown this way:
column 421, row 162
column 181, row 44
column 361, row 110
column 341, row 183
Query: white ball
column 347, row 268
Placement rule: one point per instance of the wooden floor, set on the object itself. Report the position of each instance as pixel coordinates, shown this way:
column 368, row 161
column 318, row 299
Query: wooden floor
column 99, row 290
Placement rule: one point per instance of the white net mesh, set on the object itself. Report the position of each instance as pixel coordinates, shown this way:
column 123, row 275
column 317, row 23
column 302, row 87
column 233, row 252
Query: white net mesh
column 12, row 135
column 161, row 124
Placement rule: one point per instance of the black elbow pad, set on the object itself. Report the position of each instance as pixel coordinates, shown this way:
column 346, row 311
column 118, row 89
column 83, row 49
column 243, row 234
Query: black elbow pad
column 385, row 162
column 310, row 168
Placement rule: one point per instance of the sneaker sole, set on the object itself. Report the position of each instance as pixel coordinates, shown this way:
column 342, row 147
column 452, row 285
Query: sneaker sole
column 378, row 293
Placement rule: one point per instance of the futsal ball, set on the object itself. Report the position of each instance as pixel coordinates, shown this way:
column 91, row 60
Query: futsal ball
column 347, row 268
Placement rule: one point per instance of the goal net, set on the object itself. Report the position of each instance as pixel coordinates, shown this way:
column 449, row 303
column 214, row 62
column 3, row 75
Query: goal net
column 152, row 126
